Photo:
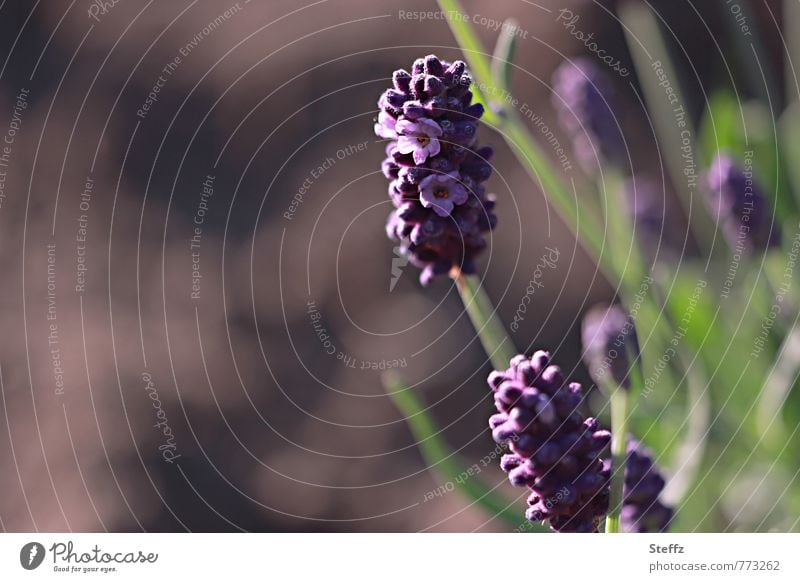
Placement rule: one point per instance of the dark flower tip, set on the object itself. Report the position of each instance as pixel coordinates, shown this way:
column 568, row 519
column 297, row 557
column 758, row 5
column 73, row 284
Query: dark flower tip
column 554, row 448
column 648, row 209
column 609, row 345
column 737, row 202
column 441, row 210
column 642, row 510
column 583, row 97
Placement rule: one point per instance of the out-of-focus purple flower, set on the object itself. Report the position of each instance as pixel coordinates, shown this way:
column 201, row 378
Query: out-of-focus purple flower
column 442, row 192
column 737, row 202
column 648, row 208
column 642, row 510
column 583, row 96
column 609, row 344
column 418, row 138
column 554, row 449
column 442, row 210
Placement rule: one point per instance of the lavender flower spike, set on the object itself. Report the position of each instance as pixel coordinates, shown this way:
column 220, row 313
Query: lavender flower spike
column 584, row 99
column 441, row 210
column 736, row 200
column 642, row 511
column 554, row 449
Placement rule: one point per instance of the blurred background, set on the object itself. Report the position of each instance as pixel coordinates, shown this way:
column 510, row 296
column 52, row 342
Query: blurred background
column 198, row 296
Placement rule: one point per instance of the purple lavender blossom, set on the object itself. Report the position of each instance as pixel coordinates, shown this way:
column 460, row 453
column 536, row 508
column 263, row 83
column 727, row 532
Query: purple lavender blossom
column 442, row 211
column 609, row 344
column 418, row 138
column 642, row 511
column 584, row 99
column 554, row 449
column 737, row 202
column 442, row 192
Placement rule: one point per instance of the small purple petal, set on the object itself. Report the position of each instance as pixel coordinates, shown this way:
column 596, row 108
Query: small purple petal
column 386, row 125
column 441, row 192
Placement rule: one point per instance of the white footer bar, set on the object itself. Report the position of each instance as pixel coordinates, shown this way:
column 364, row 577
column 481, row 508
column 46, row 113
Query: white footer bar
column 399, row 557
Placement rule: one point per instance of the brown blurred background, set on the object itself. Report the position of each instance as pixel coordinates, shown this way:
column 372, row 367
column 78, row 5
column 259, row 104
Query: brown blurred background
column 236, row 409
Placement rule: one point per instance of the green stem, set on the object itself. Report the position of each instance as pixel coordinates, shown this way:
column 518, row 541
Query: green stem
column 670, row 118
column 689, row 456
column 622, row 249
column 516, row 134
column 494, row 339
column 584, row 227
column 619, row 438
column 475, row 55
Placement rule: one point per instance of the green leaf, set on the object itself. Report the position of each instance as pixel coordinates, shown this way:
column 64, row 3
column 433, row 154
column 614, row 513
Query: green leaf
column 504, row 53
column 438, row 455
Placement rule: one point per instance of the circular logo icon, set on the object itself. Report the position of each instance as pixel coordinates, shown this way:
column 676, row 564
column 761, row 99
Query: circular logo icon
column 31, row 555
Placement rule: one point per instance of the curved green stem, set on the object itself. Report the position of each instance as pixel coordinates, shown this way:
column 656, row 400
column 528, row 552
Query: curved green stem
column 494, row 339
